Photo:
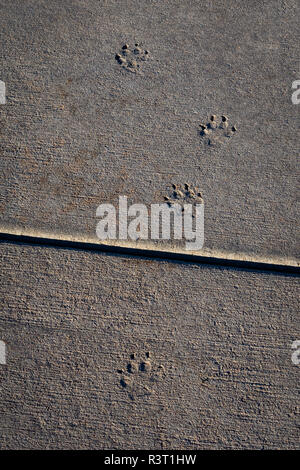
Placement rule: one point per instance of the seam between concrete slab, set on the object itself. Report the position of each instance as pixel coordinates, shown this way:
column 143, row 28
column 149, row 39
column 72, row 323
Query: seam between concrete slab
column 236, row 260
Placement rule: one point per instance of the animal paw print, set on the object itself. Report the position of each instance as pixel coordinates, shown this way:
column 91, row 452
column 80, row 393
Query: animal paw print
column 131, row 59
column 184, row 194
column 140, row 376
column 216, row 130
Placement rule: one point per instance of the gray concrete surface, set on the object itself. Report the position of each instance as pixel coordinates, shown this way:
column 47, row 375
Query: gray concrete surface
column 80, row 129
column 219, row 373
column 117, row 352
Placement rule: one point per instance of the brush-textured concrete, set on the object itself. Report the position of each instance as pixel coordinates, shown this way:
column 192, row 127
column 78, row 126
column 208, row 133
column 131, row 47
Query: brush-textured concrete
column 107, row 98
column 81, row 128
column 212, row 353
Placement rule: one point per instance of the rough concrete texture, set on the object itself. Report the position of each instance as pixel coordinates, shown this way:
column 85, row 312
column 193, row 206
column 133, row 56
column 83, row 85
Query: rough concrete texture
column 82, row 126
column 109, row 98
column 124, row 353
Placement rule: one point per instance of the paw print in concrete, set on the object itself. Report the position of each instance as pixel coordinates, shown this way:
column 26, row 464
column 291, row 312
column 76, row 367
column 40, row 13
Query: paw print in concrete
column 132, row 58
column 184, row 194
column 140, row 376
column 217, row 130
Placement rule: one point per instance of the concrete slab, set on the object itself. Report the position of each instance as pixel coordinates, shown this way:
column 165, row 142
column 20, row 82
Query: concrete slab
column 82, row 126
column 118, row 352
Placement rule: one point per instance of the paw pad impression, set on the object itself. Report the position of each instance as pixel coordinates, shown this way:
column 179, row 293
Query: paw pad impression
column 131, row 58
column 217, row 129
column 184, row 194
column 140, row 375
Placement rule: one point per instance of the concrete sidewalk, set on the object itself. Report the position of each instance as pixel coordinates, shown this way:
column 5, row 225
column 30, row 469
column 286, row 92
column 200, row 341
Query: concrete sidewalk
column 146, row 99
column 119, row 352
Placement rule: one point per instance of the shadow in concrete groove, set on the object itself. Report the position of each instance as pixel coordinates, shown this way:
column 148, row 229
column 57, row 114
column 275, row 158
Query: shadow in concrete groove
column 220, row 263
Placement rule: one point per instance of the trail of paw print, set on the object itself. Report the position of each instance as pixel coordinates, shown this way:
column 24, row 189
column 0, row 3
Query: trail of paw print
column 184, row 194
column 217, row 130
column 140, row 376
column 131, row 59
